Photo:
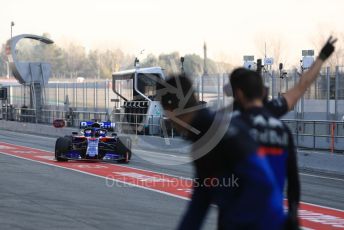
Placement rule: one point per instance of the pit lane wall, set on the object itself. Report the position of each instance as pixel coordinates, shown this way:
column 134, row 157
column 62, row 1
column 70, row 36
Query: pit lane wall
column 151, row 143
column 34, row 128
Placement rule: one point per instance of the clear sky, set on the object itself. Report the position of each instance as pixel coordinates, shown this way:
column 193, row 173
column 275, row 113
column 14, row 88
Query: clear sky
column 230, row 28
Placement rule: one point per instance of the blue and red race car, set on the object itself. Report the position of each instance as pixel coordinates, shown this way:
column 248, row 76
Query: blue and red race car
column 93, row 142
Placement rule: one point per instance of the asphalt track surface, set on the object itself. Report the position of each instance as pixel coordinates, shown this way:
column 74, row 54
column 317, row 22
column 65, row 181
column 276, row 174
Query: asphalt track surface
column 41, row 196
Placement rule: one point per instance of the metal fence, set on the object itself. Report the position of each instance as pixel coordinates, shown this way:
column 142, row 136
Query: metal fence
column 324, row 100
column 317, row 134
column 141, row 124
column 47, row 116
column 90, row 96
column 317, row 119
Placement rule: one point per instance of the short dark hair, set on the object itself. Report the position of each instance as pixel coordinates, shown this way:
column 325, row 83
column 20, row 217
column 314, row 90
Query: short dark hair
column 170, row 100
column 248, row 81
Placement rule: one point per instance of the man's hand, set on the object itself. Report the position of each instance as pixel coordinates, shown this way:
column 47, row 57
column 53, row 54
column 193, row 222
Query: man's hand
column 328, row 49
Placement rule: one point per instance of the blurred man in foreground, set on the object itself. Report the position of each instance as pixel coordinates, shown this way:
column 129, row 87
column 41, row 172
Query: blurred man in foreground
column 283, row 163
column 274, row 139
column 252, row 201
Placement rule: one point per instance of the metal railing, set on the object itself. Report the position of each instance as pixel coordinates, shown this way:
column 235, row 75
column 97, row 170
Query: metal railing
column 317, row 134
column 72, row 118
column 323, row 100
column 81, row 96
column 133, row 123
column 142, row 124
column 310, row 134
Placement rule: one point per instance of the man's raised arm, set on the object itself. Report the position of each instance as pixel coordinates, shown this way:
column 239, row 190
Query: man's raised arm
column 308, row 77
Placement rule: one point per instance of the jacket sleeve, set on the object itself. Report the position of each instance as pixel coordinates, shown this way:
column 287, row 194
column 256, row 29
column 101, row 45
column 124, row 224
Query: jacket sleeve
column 278, row 107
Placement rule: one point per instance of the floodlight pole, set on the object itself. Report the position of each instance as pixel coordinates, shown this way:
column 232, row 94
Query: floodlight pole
column 12, row 24
column 7, row 63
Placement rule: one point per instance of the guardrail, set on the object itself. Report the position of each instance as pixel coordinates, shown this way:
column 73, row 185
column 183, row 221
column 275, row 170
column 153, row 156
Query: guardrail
column 139, row 124
column 317, row 134
column 47, row 116
column 143, row 124
column 310, row 134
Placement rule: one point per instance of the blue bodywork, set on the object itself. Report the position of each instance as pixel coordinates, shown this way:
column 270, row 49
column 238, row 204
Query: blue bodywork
column 94, row 144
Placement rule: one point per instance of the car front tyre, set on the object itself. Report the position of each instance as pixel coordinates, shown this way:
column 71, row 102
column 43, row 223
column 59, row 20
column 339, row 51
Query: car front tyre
column 61, row 147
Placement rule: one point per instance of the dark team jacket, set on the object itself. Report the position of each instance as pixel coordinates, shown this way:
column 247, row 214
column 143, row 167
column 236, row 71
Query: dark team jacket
column 277, row 108
column 275, row 142
column 254, row 204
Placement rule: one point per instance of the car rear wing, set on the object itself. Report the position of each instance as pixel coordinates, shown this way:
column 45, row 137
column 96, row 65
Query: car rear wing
column 108, row 125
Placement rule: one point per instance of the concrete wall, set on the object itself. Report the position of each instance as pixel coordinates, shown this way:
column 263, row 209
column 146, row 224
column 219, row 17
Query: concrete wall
column 33, row 128
column 306, row 138
column 152, row 143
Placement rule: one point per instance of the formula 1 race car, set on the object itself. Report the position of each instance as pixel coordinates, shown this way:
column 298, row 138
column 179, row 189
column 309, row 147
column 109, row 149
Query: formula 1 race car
column 94, row 143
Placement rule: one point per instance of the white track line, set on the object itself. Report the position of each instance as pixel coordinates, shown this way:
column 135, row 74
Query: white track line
column 30, row 135
column 103, row 177
column 151, row 172
column 323, row 177
column 158, row 173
